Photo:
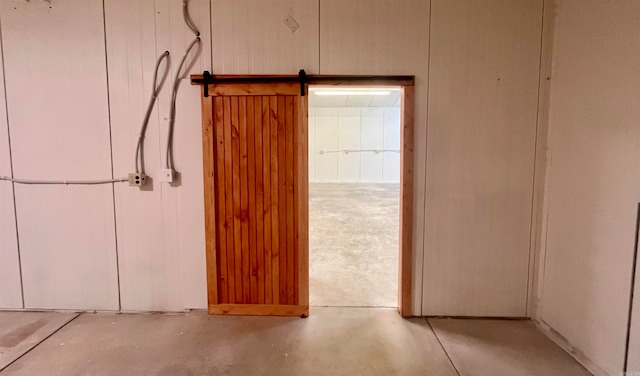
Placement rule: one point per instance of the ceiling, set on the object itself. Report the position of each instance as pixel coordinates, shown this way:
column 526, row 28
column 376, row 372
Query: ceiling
column 391, row 100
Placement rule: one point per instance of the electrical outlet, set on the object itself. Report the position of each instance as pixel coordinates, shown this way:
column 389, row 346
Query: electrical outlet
column 137, row 179
column 166, row 175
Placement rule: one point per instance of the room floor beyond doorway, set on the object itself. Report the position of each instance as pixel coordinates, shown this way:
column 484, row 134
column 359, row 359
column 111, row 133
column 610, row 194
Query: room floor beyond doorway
column 353, row 244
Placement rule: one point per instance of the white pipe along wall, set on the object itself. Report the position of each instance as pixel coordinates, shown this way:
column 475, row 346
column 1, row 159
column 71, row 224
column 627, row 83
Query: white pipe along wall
column 477, row 68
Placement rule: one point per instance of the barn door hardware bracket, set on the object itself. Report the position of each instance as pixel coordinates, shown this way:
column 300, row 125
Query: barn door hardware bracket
column 303, row 80
column 206, row 78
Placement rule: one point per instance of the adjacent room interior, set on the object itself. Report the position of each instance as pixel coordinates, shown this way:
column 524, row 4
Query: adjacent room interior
column 354, row 177
column 189, row 187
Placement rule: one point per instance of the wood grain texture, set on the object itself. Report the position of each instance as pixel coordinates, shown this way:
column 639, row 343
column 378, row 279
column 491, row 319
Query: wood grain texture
column 219, row 214
column 266, row 188
column 255, row 176
column 483, row 92
column 259, row 310
column 406, row 201
column 301, row 200
column 275, row 198
column 209, row 149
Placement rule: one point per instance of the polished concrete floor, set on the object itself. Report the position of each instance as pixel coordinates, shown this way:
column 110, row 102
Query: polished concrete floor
column 331, row 341
column 353, row 244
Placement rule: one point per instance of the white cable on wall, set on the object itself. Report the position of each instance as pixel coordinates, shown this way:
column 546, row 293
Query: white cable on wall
column 139, row 159
column 63, row 182
column 169, row 163
column 157, row 87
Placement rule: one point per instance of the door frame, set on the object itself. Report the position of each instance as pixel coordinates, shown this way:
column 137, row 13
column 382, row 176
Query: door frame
column 407, row 87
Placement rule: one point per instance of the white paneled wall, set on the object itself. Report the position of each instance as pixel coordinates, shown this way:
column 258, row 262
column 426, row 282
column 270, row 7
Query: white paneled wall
column 593, row 184
column 332, row 130
column 160, row 229
column 94, row 84
column 10, row 289
column 249, row 36
column 483, row 91
column 56, row 91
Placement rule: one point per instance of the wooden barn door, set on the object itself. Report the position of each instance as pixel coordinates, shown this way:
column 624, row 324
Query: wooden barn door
column 256, row 198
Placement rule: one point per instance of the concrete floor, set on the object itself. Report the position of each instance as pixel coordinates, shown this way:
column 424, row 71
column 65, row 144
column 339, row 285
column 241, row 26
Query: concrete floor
column 353, row 244
column 332, row 341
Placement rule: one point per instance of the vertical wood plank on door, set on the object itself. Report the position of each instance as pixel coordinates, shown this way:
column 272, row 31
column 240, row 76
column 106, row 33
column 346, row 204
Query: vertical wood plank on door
column 301, row 190
column 244, row 200
column 282, row 197
column 259, row 203
column 209, row 151
column 290, row 214
column 252, row 187
column 221, row 218
column 235, row 199
column 228, row 199
column 266, row 190
column 275, row 225
column 45, row 146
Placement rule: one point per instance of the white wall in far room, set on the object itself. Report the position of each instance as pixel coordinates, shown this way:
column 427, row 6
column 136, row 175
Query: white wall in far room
column 354, row 144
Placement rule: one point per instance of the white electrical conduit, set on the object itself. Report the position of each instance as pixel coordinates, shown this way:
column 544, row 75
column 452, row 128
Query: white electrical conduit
column 139, row 158
column 157, row 87
column 139, row 149
column 63, row 182
column 169, row 164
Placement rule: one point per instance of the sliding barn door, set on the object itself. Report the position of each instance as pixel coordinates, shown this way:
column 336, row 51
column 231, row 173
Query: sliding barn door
column 256, row 193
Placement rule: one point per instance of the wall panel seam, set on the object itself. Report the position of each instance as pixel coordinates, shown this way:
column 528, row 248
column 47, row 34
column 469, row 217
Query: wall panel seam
column 13, row 186
column 534, row 213
column 113, row 188
column 421, row 247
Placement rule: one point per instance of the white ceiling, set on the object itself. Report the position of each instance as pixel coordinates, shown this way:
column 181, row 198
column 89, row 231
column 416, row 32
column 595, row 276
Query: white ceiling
column 391, row 100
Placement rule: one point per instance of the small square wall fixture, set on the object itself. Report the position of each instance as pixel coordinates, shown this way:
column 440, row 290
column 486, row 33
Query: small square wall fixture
column 291, row 23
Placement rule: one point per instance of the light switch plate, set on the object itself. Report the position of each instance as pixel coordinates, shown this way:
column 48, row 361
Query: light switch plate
column 291, row 23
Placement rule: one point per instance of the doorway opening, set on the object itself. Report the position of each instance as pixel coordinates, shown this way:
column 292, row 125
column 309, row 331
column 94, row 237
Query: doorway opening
column 354, row 195
column 257, row 127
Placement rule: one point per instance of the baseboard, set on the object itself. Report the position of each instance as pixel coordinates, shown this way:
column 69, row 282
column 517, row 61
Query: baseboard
column 570, row 349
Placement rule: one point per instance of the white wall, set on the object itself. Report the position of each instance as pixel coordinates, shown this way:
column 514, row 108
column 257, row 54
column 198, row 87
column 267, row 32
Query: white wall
column 483, row 91
column 593, row 184
column 67, row 233
column 10, row 284
column 109, row 248
column 333, row 129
